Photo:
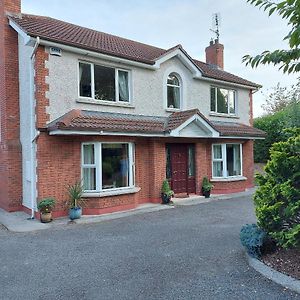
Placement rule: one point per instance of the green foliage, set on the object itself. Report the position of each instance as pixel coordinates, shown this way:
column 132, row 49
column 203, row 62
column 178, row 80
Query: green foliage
column 288, row 60
column 46, row 205
column 274, row 125
column 277, row 200
column 75, row 194
column 253, row 238
column 206, row 185
column 165, row 189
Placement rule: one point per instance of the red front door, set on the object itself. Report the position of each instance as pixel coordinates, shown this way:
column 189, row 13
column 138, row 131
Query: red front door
column 181, row 168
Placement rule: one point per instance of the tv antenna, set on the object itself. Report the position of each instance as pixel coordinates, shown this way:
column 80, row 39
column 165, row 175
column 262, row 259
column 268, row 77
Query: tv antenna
column 216, row 24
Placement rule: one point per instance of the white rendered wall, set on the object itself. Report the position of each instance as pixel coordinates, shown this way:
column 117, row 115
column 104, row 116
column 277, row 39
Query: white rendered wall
column 25, row 120
column 148, row 89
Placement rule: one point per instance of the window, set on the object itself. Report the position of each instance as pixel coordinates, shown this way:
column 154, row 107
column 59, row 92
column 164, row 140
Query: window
column 222, row 100
column 173, row 92
column 191, row 161
column 107, row 166
column 226, row 160
column 103, row 83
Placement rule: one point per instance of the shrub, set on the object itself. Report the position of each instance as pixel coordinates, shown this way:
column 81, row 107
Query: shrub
column 253, row 238
column 46, row 205
column 277, row 200
column 206, row 185
column 75, row 193
column 165, row 189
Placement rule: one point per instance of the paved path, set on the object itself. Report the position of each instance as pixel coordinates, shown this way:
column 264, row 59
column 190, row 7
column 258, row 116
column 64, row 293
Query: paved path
column 190, row 252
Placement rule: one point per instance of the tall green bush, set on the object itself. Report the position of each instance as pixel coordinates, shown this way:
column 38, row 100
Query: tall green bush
column 277, row 200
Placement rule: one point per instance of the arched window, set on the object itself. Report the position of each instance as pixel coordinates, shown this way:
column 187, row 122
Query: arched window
column 173, row 91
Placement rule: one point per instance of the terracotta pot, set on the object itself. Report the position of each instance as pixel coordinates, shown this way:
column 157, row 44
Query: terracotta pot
column 46, row 217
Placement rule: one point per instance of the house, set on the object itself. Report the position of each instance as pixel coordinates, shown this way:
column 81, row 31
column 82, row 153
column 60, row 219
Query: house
column 118, row 114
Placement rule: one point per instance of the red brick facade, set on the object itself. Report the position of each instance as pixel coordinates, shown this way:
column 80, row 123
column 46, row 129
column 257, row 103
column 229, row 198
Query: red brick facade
column 10, row 147
column 54, row 175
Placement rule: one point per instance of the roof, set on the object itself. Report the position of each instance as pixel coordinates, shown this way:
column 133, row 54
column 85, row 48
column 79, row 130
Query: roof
column 73, row 35
column 82, row 120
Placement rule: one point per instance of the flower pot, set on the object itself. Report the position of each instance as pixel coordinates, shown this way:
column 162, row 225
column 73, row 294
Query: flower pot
column 206, row 194
column 75, row 213
column 165, row 198
column 46, row 217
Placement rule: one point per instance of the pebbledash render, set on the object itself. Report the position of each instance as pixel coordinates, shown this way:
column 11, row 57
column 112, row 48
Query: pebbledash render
column 122, row 116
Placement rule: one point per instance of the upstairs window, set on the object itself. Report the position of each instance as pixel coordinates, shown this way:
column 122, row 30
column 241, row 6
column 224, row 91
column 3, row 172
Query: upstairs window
column 222, row 101
column 103, row 83
column 173, row 92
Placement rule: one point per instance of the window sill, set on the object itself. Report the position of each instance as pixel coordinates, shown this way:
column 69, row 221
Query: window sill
column 106, row 103
column 229, row 179
column 124, row 191
column 223, row 115
column 173, row 109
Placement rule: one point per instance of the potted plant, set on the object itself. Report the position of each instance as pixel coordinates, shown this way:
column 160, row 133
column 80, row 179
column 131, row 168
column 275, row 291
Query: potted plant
column 45, row 207
column 206, row 187
column 166, row 192
column 75, row 194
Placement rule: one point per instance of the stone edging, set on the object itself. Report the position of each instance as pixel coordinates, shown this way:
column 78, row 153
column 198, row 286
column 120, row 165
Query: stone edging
column 279, row 278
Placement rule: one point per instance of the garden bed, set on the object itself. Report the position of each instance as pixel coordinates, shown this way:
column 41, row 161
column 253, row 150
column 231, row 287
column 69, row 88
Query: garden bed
column 286, row 261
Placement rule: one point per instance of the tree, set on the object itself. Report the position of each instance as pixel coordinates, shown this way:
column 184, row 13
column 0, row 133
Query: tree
column 288, row 60
column 282, row 111
column 277, row 200
column 281, row 97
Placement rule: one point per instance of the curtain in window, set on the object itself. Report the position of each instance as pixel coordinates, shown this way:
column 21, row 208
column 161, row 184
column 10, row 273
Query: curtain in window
column 89, row 171
column 176, row 92
column 123, row 86
column 236, row 160
column 217, row 169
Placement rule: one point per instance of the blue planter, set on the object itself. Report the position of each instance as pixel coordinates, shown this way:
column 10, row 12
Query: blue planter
column 75, row 213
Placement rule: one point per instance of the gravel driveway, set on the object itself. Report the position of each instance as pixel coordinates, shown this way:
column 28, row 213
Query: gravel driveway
column 190, row 252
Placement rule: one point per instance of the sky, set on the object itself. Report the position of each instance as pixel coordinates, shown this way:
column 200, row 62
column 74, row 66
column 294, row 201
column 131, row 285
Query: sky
column 163, row 23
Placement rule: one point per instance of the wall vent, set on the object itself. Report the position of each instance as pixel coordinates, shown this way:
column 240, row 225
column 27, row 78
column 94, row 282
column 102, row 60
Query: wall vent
column 55, row 51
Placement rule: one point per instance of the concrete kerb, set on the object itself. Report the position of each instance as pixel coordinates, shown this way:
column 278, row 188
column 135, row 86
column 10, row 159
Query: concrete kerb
column 20, row 221
column 282, row 279
column 194, row 200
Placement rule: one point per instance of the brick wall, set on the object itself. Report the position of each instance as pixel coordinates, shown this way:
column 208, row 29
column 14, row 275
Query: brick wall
column 10, row 147
column 59, row 165
column 59, row 161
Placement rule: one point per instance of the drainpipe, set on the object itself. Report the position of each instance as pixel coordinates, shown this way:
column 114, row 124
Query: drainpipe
column 33, row 132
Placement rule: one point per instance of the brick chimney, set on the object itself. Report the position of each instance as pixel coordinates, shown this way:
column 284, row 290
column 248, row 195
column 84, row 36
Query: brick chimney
column 215, row 54
column 10, row 147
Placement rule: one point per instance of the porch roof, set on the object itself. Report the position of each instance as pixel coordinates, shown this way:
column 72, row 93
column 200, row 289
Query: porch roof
column 89, row 122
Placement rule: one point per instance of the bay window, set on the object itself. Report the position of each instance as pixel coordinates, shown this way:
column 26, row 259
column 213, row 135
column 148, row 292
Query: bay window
column 222, row 100
column 103, row 83
column 226, row 160
column 107, row 166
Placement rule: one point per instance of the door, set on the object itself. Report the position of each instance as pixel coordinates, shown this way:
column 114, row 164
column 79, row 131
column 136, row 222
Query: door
column 181, row 168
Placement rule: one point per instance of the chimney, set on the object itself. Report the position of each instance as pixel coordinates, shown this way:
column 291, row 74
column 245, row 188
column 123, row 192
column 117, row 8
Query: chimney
column 215, row 54
column 10, row 146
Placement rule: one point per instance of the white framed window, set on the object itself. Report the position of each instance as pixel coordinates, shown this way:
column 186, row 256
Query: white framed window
column 104, row 83
column 174, row 93
column 222, row 101
column 107, row 166
column 226, row 160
